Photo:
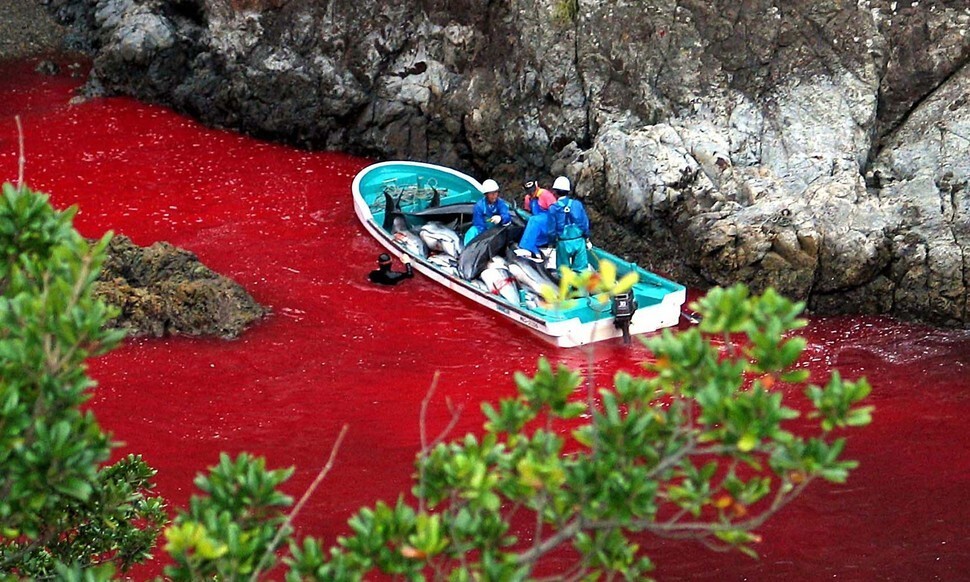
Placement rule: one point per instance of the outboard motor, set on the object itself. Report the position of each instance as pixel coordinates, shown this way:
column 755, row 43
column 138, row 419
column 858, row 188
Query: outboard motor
column 624, row 306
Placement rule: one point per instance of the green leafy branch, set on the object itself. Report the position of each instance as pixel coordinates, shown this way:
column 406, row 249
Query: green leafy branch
column 59, row 507
column 699, row 447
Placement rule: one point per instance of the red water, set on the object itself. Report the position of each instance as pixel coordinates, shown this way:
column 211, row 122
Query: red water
column 338, row 350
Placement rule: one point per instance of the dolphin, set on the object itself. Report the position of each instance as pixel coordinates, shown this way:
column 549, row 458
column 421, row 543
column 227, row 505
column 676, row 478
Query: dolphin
column 396, row 224
column 448, row 210
column 405, row 237
column 531, row 300
column 456, row 216
column 445, row 263
column 440, row 238
column 498, row 262
column 531, row 275
column 500, row 282
column 391, row 212
column 474, row 259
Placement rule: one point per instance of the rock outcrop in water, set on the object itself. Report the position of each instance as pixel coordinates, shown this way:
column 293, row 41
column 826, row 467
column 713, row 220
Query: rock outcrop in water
column 818, row 146
column 164, row 290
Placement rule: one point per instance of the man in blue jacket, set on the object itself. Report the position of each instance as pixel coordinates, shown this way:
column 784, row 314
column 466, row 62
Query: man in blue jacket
column 489, row 211
column 572, row 227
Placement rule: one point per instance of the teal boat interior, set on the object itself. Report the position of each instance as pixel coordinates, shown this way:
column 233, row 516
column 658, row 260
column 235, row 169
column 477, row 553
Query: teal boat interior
column 414, row 191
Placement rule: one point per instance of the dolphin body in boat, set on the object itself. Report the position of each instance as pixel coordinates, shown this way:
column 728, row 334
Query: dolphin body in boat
column 405, row 237
column 457, row 216
column 391, row 212
column 480, row 250
column 396, row 224
column 447, row 212
column 533, row 276
column 445, row 263
column 440, row 238
column 500, row 281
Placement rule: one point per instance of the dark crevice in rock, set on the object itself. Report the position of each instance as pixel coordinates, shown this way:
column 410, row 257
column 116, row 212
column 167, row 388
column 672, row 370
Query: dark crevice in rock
column 880, row 141
column 585, row 139
column 191, row 10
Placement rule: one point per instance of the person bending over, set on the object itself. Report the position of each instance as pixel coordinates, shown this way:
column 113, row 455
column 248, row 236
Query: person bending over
column 540, row 230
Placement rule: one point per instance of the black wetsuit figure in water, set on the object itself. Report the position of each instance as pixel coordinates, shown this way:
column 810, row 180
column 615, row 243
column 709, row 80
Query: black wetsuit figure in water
column 385, row 276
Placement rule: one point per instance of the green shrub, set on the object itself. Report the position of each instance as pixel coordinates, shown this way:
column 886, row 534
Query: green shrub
column 700, row 447
column 59, row 505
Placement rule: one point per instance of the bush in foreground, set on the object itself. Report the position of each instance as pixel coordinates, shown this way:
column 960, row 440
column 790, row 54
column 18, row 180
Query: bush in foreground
column 60, row 507
column 699, row 447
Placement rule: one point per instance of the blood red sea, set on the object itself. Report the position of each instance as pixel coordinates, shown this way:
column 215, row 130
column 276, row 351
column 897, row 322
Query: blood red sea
column 339, row 351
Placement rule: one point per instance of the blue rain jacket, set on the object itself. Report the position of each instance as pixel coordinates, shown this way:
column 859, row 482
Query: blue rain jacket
column 482, row 211
column 572, row 230
column 567, row 213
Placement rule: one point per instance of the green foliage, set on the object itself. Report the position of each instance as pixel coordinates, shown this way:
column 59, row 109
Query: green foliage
column 699, row 448
column 565, row 11
column 59, row 507
column 227, row 533
column 601, row 284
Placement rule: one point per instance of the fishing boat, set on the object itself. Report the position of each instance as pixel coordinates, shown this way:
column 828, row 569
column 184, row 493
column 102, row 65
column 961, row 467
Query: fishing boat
column 421, row 210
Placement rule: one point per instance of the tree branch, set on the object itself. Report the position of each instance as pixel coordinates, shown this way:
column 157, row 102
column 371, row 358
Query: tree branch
column 21, row 160
column 533, row 554
column 299, row 505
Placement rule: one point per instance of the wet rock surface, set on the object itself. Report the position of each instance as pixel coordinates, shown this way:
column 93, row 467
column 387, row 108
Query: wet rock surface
column 821, row 147
column 163, row 290
column 27, row 29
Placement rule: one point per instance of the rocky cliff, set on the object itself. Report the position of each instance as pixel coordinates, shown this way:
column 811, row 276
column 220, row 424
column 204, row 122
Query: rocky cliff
column 818, row 146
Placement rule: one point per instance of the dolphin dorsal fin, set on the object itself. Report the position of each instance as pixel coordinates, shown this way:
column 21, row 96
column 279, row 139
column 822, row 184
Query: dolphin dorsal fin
column 392, row 210
column 389, row 207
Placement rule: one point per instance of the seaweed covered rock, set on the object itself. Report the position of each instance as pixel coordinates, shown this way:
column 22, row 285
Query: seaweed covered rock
column 164, row 290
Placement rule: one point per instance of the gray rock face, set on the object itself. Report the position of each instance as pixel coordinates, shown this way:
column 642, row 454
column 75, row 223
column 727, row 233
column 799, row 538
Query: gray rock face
column 821, row 147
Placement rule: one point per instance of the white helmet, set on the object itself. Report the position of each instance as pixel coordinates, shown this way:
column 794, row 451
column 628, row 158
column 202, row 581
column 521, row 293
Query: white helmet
column 561, row 183
column 489, row 185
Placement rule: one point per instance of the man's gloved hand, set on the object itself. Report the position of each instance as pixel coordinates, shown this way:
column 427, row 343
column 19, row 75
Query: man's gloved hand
column 406, row 259
column 589, row 245
column 495, row 219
